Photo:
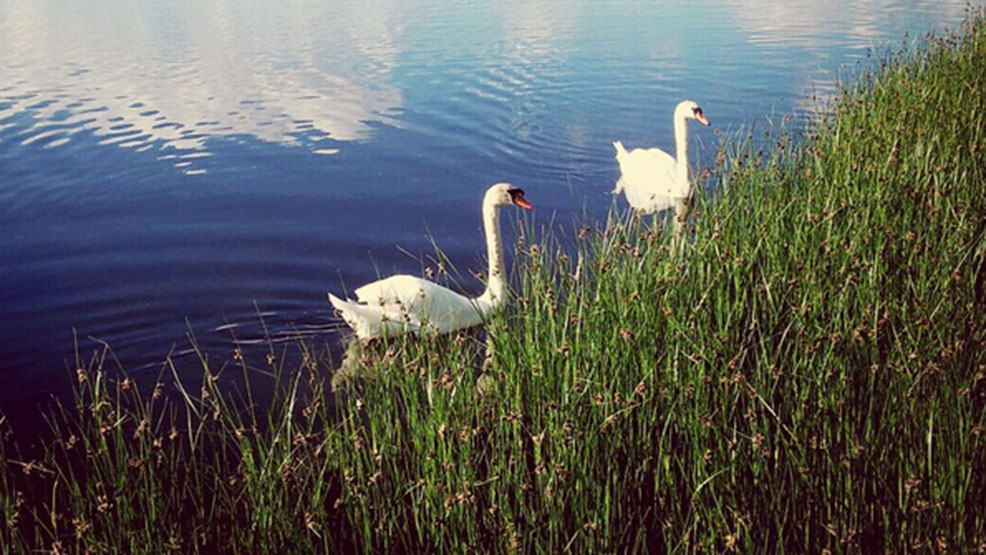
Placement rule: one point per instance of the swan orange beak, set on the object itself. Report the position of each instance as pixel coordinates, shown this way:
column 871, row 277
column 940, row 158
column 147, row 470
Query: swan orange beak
column 701, row 117
column 517, row 197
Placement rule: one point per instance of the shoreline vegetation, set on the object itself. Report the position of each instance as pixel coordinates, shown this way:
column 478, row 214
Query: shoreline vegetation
column 810, row 375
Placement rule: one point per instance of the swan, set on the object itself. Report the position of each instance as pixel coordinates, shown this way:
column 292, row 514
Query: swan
column 408, row 304
column 652, row 179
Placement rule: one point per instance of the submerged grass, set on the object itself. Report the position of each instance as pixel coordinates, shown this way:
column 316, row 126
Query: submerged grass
column 809, row 375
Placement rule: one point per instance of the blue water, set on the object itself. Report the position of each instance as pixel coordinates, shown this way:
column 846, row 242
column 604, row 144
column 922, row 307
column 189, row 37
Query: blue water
column 173, row 167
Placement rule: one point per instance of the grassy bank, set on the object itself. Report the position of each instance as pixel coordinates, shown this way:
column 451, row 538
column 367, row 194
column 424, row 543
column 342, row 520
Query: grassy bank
column 810, row 374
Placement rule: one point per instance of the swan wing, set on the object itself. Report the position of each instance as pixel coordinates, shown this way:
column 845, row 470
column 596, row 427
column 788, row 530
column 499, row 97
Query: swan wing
column 404, row 303
column 399, row 289
column 648, row 179
column 649, row 169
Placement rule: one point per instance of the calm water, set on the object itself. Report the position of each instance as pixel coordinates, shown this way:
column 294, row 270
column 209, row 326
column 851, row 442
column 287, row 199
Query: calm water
column 173, row 166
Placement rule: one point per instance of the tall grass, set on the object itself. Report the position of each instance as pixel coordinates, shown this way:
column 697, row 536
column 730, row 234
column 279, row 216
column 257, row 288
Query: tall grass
column 809, row 375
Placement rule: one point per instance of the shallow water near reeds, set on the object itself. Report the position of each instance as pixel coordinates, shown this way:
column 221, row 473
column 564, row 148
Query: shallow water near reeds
column 166, row 168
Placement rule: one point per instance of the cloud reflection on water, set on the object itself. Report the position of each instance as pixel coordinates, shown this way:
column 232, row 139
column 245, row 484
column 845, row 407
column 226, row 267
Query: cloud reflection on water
column 822, row 24
column 819, row 28
column 126, row 76
column 170, row 77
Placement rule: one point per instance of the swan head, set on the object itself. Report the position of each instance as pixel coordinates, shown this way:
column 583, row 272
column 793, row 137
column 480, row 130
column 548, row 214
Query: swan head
column 689, row 109
column 504, row 193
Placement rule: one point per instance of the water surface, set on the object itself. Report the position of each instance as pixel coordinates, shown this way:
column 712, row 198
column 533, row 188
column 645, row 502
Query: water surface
column 167, row 167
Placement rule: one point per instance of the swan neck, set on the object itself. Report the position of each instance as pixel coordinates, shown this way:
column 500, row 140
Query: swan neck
column 681, row 149
column 496, row 283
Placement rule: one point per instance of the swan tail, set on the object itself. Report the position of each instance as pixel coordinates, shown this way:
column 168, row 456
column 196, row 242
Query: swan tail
column 621, row 151
column 620, row 185
column 359, row 317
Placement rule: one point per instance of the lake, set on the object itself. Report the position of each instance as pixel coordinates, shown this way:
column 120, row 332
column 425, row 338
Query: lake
column 177, row 167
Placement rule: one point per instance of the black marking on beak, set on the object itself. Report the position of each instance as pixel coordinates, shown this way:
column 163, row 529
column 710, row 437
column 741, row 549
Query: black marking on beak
column 700, row 116
column 517, row 197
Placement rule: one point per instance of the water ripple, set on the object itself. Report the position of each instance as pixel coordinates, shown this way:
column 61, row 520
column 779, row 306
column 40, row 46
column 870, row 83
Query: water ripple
column 159, row 90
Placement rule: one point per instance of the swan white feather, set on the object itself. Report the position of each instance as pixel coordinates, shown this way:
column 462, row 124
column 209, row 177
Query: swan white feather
column 408, row 304
column 652, row 179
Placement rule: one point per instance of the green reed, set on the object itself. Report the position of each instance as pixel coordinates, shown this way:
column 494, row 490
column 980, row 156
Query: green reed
column 808, row 375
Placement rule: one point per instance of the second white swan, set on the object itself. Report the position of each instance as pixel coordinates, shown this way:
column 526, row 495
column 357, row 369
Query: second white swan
column 408, row 304
column 652, row 179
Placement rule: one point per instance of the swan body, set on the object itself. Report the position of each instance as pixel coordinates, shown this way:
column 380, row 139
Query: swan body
column 652, row 179
column 407, row 304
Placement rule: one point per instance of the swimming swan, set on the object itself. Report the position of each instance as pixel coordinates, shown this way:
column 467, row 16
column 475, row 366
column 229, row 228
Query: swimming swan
column 407, row 304
column 652, row 179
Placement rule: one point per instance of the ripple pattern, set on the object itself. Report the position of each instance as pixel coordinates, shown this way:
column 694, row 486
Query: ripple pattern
column 219, row 80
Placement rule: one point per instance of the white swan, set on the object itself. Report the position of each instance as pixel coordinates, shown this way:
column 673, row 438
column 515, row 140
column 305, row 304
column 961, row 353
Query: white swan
column 407, row 304
column 652, row 179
